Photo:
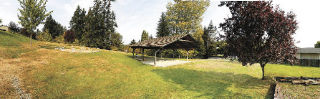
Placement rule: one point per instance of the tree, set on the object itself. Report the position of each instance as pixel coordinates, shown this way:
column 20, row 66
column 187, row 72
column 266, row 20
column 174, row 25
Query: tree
column 0, row 21
column 150, row 37
column 133, row 42
column 116, row 40
column 258, row 32
column 144, row 36
column 200, row 50
column 54, row 28
column 208, row 39
column 100, row 25
column 77, row 23
column 185, row 16
column 69, row 36
column 163, row 26
column 14, row 27
column 317, row 45
column 32, row 13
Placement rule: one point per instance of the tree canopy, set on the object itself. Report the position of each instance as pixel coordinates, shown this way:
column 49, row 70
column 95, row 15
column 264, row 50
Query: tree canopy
column 185, row 16
column 54, row 28
column 32, row 13
column 163, row 26
column 144, row 35
column 208, row 39
column 317, row 45
column 14, row 27
column 258, row 32
column 100, row 25
column 77, row 23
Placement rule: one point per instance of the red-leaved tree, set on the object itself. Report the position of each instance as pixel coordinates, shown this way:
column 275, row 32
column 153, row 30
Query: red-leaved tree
column 258, row 32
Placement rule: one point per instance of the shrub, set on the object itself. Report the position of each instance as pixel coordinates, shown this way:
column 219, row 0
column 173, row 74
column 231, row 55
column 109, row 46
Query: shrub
column 26, row 33
column 13, row 27
column 59, row 39
column 69, row 36
column 44, row 36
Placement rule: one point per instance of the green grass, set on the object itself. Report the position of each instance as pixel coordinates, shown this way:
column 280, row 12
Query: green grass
column 12, row 45
column 53, row 74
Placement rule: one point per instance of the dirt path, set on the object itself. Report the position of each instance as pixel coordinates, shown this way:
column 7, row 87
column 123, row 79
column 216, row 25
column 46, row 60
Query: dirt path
column 12, row 73
column 9, row 79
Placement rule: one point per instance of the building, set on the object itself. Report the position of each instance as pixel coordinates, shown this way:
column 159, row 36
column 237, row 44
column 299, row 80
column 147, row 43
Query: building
column 309, row 56
column 4, row 28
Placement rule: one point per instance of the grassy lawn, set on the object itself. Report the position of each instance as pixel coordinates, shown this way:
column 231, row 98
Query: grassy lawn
column 49, row 73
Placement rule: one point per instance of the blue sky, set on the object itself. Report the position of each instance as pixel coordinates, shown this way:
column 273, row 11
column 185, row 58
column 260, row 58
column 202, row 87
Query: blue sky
column 134, row 16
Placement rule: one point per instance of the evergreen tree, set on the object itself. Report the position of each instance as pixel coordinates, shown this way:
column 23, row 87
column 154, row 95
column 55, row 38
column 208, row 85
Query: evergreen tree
column 144, row 36
column 133, row 42
column 77, row 23
column 32, row 13
column 94, row 35
column 150, row 37
column 163, row 28
column 53, row 27
column 208, row 39
column 100, row 25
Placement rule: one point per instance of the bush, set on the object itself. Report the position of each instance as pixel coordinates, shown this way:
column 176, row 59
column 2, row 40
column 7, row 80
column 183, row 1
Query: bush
column 27, row 34
column 44, row 36
column 69, row 36
column 13, row 27
column 59, row 39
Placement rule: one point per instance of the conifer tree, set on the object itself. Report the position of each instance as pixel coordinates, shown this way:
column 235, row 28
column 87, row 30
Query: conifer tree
column 53, row 27
column 100, row 25
column 163, row 28
column 144, row 36
column 133, row 42
column 77, row 23
column 208, row 39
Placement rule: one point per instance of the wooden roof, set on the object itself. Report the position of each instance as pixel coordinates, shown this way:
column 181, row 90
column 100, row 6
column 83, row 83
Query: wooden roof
column 308, row 50
column 180, row 41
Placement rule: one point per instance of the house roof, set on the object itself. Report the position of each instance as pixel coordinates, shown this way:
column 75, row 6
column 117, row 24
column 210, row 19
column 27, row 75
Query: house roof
column 180, row 41
column 308, row 50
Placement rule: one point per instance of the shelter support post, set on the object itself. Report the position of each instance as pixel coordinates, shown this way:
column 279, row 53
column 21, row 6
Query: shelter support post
column 187, row 55
column 142, row 54
column 155, row 57
column 133, row 49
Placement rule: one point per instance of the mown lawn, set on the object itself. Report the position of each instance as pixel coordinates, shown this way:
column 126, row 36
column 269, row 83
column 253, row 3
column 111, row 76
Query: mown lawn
column 52, row 74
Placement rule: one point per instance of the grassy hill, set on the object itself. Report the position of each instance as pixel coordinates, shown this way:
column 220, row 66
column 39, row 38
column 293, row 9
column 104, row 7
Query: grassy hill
column 49, row 73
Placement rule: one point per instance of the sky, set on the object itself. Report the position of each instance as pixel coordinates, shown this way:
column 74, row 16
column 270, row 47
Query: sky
column 134, row 16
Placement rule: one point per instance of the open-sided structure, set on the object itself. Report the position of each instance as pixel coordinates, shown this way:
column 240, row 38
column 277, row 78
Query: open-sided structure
column 180, row 41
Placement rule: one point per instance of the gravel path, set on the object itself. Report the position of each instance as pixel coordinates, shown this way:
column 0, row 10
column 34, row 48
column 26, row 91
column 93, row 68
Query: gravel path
column 75, row 50
column 10, row 85
column 22, row 94
column 166, row 63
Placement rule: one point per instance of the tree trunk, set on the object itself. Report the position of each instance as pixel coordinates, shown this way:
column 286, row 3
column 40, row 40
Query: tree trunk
column 262, row 67
column 31, row 40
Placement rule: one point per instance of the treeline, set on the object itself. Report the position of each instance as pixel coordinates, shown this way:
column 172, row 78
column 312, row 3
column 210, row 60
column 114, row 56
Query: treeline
column 93, row 28
column 186, row 17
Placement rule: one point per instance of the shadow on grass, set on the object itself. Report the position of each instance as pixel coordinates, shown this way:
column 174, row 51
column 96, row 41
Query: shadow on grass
column 213, row 84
